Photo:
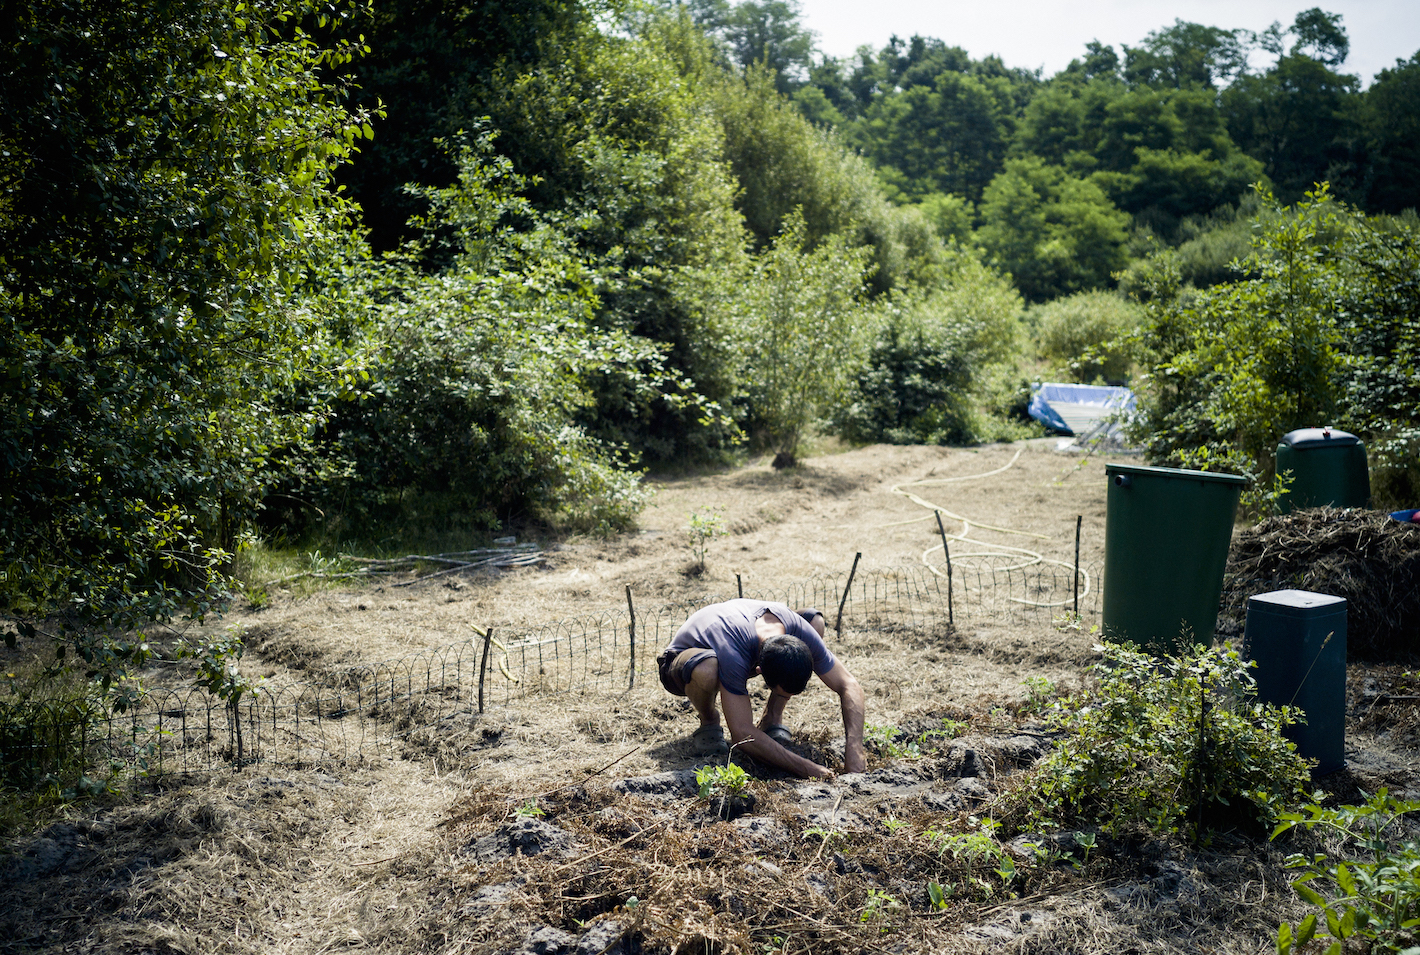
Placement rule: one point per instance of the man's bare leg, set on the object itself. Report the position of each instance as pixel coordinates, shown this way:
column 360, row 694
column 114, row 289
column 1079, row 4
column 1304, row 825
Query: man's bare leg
column 703, row 688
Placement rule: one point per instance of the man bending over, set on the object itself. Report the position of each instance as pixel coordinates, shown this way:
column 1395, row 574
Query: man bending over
column 721, row 646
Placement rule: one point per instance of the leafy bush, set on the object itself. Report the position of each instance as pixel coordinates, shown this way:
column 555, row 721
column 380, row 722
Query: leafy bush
column 466, row 386
column 794, row 314
column 1084, row 336
column 1376, row 897
column 930, row 359
column 1323, row 331
column 1156, row 743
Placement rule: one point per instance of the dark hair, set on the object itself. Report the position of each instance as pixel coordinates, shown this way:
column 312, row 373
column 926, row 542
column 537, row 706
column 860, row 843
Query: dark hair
column 785, row 662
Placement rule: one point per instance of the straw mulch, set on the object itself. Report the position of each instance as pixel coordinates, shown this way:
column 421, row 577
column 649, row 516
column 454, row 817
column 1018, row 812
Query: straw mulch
column 602, row 871
column 1364, row 556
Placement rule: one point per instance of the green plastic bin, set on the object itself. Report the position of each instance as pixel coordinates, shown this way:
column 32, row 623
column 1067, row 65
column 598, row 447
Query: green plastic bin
column 1328, row 467
column 1298, row 640
column 1166, row 541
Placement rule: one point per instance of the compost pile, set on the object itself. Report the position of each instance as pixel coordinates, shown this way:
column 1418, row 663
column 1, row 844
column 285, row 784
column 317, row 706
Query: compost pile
column 1364, row 556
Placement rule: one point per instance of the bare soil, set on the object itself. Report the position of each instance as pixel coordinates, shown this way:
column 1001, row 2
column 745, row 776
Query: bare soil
column 572, row 824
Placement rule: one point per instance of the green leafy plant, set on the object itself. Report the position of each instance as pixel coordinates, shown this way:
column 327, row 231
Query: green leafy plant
column 219, row 673
column 879, row 903
column 1086, row 841
column 529, row 810
column 951, row 729
column 974, row 849
column 702, row 529
column 1039, row 692
column 1071, row 621
column 884, row 739
column 826, row 836
column 1373, row 894
column 717, row 781
column 1155, row 743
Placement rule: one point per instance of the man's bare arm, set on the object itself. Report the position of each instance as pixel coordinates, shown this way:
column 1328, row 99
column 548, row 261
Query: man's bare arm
column 850, row 696
column 739, row 717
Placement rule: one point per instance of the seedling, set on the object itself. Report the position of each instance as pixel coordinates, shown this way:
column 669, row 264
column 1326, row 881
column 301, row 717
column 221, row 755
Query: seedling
column 1039, row 690
column 702, row 529
column 1086, row 841
column 713, row 781
column 879, row 904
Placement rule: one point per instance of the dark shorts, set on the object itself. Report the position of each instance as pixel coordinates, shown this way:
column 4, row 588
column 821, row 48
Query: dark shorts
column 675, row 667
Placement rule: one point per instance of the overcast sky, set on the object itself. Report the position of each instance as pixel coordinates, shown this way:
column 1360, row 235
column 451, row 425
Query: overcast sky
column 1050, row 33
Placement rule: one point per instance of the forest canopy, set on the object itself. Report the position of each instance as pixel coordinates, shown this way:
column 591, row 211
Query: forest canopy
column 337, row 271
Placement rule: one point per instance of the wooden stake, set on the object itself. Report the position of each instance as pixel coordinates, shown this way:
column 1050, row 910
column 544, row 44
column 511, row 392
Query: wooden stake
column 631, row 608
column 1079, row 518
column 947, row 553
column 483, row 665
column 739, row 584
column 838, row 624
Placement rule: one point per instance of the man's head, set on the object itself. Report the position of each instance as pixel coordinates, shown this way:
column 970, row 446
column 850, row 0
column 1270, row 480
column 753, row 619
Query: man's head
column 785, row 662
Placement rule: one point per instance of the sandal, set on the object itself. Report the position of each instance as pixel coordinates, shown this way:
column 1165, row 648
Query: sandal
column 710, row 741
column 779, row 733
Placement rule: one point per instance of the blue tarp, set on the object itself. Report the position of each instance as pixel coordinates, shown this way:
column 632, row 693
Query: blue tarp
column 1077, row 409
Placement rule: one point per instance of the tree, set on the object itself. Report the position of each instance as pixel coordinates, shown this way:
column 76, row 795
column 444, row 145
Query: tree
column 949, row 136
column 430, row 65
column 1186, row 55
column 1321, row 331
column 798, row 318
column 1391, row 118
column 770, row 33
column 1055, row 233
column 166, row 176
column 1299, row 116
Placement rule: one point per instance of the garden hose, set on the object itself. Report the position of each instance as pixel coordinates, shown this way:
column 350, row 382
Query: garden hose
column 503, row 661
column 1026, row 557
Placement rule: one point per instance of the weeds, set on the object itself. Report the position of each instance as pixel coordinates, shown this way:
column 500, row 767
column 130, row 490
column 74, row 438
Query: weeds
column 886, row 739
column 529, row 810
column 1040, row 691
column 879, row 903
column 1374, row 899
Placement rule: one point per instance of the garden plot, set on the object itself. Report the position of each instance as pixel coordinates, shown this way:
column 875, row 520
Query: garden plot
column 572, row 821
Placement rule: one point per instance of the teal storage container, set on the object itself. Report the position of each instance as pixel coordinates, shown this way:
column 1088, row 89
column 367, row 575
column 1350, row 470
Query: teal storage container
column 1298, row 640
column 1328, row 468
column 1166, row 541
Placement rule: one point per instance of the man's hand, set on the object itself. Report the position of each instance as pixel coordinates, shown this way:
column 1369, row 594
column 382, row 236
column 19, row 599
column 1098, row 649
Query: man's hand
column 739, row 717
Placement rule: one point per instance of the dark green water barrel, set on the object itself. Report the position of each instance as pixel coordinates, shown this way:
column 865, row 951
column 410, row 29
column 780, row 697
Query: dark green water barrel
column 1298, row 640
column 1166, row 541
column 1328, row 467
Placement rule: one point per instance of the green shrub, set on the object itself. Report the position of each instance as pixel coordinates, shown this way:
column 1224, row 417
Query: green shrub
column 1156, row 744
column 931, row 359
column 1084, row 337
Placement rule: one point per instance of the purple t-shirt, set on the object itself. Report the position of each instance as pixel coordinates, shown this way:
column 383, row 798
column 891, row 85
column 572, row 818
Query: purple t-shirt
column 728, row 629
